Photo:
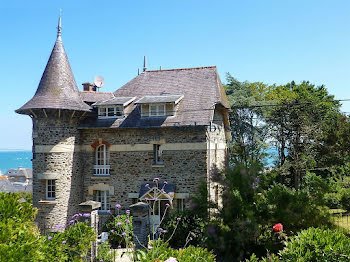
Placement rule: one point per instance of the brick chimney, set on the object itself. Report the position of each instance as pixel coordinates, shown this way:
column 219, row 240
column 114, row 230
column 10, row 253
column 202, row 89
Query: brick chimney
column 89, row 87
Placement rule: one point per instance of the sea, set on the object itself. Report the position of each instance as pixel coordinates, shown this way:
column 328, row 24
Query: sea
column 15, row 159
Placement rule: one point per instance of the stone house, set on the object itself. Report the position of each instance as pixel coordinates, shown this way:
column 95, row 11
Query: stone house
column 20, row 175
column 88, row 145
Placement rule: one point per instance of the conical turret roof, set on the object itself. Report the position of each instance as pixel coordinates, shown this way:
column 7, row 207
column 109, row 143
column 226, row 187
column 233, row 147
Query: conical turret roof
column 57, row 88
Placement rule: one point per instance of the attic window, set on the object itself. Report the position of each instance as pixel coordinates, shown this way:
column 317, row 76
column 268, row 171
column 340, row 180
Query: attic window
column 110, row 112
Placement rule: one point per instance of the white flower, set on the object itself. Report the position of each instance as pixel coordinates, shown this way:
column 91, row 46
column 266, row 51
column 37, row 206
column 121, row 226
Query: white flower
column 171, row 259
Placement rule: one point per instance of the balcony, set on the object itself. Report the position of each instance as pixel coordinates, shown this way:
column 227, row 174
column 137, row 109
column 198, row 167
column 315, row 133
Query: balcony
column 102, row 170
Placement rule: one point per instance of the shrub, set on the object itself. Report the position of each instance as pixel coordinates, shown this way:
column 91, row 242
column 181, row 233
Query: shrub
column 189, row 229
column 333, row 200
column 104, row 252
column 296, row 210
column 192, row 253
column 116, row 226
column 11, row 207
column 345, row 198
column 315, row 244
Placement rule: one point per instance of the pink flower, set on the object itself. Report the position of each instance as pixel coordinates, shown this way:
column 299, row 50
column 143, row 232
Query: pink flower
column 155, row 180
column 119, row 224
column 118, row 206
column 123, row 234
column 127, row 212
column 127, row 221
column 167, row 205
column 86, row 215
column 147, row 185
column 165, row 182
column 119, row 246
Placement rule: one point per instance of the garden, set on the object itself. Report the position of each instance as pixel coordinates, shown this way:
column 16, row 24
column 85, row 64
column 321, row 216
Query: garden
column 294, row 208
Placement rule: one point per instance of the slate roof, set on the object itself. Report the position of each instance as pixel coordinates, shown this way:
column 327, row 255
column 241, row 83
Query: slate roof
column 160, row 99
column 57, row 88
column 200, row 86
column 123, row 101
column 168, row 188
column 93, row 97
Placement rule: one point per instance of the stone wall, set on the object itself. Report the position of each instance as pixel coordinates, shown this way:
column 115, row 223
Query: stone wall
column 130, row 169
column 64, row 167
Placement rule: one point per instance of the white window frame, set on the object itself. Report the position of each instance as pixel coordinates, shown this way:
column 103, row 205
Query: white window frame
column 157, row 112
column 50, row 189
column 157, row 152
column 103, row 111
column 103, row 196
column 101, row 166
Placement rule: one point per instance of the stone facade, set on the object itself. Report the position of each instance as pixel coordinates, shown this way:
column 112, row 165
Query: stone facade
column 64, row 167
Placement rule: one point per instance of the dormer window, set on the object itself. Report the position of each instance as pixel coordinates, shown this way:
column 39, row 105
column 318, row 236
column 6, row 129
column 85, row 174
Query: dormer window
column 110, row 112
column 157, row 110
column 113, row 108
column 159, row 106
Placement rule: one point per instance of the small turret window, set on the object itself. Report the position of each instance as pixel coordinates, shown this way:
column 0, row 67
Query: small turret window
column 50, row 189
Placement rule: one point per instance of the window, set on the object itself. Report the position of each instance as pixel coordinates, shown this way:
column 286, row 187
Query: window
column 102, row 196
column 180, row 205
column 110, row 112
column 50, row 189
column 216, row 194
column 157, row 151
column 102, row 166
column 157, row 110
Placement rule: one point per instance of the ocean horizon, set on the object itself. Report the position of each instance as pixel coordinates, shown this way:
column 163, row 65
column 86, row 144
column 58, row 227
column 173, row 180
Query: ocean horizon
column 14, row 159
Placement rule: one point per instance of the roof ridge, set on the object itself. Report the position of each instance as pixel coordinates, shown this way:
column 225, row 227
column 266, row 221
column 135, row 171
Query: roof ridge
column 95, row 92
column 179, row 69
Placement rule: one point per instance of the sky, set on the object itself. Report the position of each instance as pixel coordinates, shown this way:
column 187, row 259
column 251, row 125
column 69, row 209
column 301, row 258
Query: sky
column 267, row 41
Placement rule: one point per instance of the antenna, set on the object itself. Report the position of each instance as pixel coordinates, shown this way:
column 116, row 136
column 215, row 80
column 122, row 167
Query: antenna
column 99, row 81
column 138, row 71
column 59, row 27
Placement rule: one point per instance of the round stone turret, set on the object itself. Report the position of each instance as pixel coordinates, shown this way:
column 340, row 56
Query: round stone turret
column 56, row 109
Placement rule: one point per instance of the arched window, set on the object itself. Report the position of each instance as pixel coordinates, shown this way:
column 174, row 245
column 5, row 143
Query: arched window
column 102, row 160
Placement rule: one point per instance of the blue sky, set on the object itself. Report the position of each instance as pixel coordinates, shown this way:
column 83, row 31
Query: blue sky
column 268, row 41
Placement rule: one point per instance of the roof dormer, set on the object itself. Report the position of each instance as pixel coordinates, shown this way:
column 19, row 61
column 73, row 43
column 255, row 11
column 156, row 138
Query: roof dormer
column 113, row 108
column 159, row 106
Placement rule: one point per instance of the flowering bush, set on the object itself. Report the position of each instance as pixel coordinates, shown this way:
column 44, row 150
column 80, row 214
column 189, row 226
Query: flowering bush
column 120, row 229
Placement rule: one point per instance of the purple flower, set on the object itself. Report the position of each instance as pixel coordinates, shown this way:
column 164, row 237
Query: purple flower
column 109, row 211
column 127, row 212
column 64, row 242
column 75, row 216
column 155, row 180
column 49, row 238
column 123, row 234
column 164, row 231
column 118, row 206
column 119, row 246
column 160, row 229
column 147, row 185
column 165, row 182
column 146, row 198
column 167, row 205
column 112, row 230
column 101, row 260
column 155, row 198
column 80, row 214
column 127, row 221
column 59, row 227
column 178, row 219
column 86, row 215
column 72, row 222
column 119, row 224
